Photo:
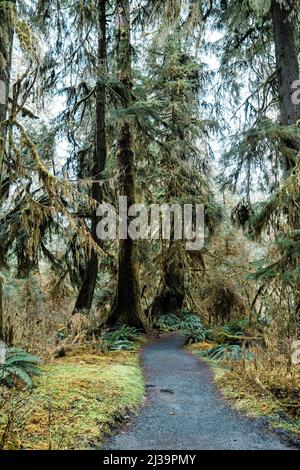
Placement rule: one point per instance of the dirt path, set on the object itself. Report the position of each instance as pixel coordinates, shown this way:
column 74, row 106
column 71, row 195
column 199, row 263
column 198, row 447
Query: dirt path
column 184, row 409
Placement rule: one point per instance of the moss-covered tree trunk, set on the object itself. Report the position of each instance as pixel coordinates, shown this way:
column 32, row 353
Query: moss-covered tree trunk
column 1, row 310
column 127, row 303
column 86, row 293
column 288, row 71
column 6, row 43
column 287, row 65
column 287, row 52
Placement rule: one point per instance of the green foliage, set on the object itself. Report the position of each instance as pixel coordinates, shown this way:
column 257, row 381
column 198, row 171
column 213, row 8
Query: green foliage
column 260, row 7
column 262, row 156
column 190, row 325
column 286, row 267
column 227, row 352
column 19, row 366
column 173, row 80
column 191, row 322
column 193, row 328
column 172, row 322
column 234, row 328
column 168, row 322
column 123, row 338
column 195, row 336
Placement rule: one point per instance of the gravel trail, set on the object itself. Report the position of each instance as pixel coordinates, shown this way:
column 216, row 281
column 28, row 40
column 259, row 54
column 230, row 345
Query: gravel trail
column 184, row 410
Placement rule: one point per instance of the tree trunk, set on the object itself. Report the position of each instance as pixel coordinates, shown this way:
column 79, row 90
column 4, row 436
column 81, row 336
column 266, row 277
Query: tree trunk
column 6, row 43
column 2, row 334
column 127, row 303
column 286, row 60
column 86, row 294
column 287, row 64
column 284, row 29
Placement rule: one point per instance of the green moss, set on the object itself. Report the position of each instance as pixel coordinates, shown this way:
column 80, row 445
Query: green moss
column 78, row 399
column 292, row 427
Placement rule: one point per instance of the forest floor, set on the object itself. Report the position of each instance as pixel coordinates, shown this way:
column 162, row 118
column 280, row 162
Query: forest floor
column 184, row 409
column 74, row 403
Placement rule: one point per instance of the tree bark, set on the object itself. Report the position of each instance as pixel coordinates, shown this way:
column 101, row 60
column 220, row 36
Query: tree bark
column 287, row 64
column 6, row 43
column 127, row 303
column 2, row 334
column 86, row 293
column 286, row 60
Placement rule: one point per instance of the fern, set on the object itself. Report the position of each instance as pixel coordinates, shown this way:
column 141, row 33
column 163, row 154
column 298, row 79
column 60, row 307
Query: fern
column 121, row 339
column 195, row 336
column 192, row 322
column 191, row 326
column 19, row 366
column 234, row 328
column 228, row 352
column 122, row 345
column 169, row 322
column 174, row 322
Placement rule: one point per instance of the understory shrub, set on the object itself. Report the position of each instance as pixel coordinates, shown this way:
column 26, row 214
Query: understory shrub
column 228, row 352
column 190, row 325
column 123, row 338
column 18, row 368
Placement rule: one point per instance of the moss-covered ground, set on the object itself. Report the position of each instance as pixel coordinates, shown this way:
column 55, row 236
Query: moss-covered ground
column 253, row 403
column 75, row 402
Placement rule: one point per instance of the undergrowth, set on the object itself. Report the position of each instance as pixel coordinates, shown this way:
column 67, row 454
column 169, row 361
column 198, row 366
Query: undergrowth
column 124, row 338
column 76, row 401
column 228, row 352
column 190, row 325
column 260, row 379
column 18, row 368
